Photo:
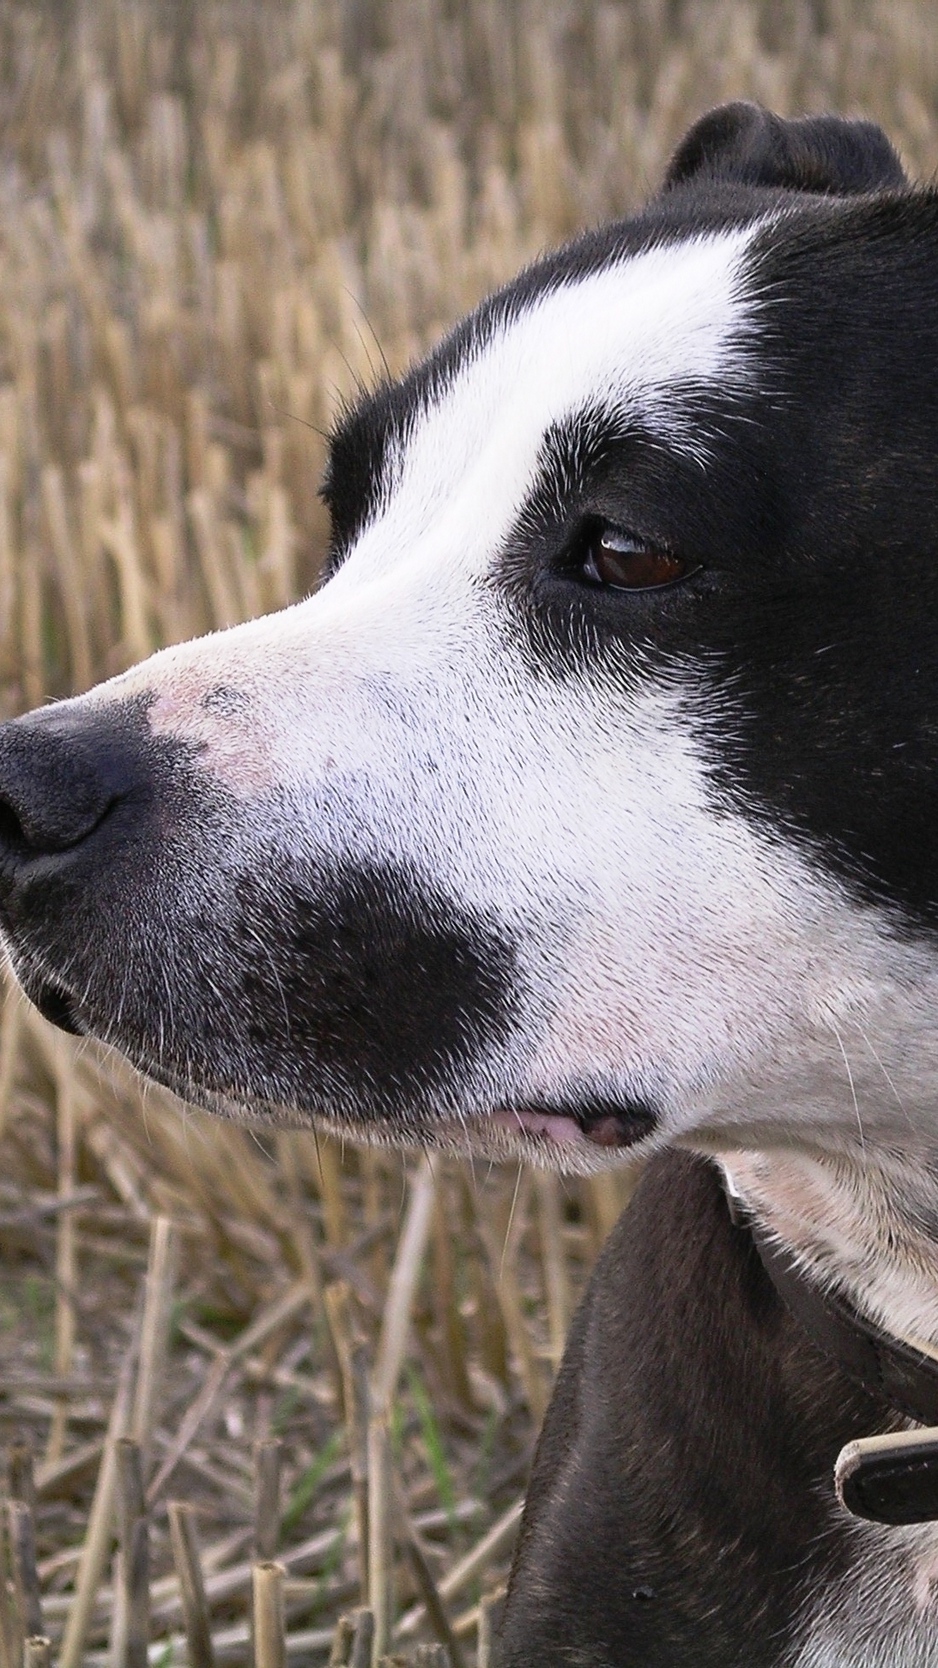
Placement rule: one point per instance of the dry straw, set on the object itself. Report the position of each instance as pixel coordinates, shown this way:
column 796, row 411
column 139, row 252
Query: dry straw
column 217, row 223
column 191, row 1585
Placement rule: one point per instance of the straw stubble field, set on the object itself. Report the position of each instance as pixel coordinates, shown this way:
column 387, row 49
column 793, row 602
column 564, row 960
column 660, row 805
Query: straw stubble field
column 292, row 1379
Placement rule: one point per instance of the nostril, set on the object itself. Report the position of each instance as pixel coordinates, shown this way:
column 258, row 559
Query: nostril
column 42, row 830
column 57, row 1007
column 59, row 779
column 12, row 837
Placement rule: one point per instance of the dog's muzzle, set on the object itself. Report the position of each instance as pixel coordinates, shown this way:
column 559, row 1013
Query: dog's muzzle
column 254, row 969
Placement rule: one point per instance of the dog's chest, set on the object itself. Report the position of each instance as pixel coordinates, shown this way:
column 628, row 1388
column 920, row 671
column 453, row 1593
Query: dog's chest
column 884, row 1612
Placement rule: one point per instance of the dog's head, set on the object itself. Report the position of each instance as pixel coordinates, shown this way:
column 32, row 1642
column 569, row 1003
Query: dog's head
column 590, row 800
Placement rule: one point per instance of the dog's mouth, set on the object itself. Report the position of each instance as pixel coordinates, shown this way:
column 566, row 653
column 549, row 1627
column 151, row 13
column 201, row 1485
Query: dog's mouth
column 596, row 1124
column 593, row 1122
column 55, row 1003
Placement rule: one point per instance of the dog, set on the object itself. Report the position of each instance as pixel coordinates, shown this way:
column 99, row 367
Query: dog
column 587, row 813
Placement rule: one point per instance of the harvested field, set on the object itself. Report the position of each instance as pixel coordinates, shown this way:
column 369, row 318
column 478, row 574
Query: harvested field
column 216, row 221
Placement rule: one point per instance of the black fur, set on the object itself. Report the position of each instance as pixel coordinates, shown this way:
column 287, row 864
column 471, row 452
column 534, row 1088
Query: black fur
column 751, row 146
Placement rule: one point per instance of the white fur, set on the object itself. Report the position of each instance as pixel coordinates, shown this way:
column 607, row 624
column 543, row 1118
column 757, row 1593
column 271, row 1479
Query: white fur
column 884, row 1613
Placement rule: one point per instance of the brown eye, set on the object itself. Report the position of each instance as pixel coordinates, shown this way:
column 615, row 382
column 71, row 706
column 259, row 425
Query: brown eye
column 628, row 564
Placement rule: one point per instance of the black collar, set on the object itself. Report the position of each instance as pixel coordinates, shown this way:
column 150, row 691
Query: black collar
column 891, row 1478
column 887, row 1366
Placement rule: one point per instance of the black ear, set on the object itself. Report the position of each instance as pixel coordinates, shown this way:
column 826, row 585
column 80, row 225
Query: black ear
column 823, row 154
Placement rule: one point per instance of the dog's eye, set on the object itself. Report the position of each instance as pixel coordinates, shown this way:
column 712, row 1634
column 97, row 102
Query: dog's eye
column 610, row 557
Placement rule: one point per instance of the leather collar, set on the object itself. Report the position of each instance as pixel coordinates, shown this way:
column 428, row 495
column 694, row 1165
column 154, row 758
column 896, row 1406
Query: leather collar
column 887, row 1366
column 890, row 1478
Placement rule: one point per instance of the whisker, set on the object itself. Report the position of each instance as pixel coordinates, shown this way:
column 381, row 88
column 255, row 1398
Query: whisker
column 511, row 1218
column 885, row 1073
column 856, row 1104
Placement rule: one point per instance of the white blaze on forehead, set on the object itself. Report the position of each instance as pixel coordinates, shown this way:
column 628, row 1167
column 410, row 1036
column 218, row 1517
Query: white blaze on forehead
column 623, row 338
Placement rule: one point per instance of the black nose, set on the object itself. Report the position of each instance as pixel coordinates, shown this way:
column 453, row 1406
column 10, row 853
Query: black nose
column 61, row 772
column 73, row 799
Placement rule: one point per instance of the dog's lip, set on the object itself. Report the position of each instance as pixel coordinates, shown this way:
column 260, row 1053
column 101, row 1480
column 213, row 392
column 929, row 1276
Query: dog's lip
column 555, row 1126
column 605, row 1126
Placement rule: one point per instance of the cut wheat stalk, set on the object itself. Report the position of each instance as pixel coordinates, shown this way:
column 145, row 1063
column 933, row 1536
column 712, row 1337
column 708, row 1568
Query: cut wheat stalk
column 130, row 1621
column 21, row 1532
column 11, row 1022
column 354, row 1365
column 70, row 577
column 341, row 1645
column 556, row 1280
column 270, row 1650
column 491, row 1544
column 191, row 1585
column 21, row 1477
column 65, row 1258
column 159, row 1284
column 402, row 1285
column 221, row 1583
column 267, row 1465
column 361, row 1651
column 223, row 1580
column 274, row 1315
column 100, row 1520
column 11, row 1647
column 501, row 1239
column 430, row 1594
column 380, row 1534
column 329, row 1176
column 489, row 1608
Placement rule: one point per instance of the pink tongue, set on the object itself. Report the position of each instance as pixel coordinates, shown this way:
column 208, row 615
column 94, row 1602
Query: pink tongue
column 557, row 1128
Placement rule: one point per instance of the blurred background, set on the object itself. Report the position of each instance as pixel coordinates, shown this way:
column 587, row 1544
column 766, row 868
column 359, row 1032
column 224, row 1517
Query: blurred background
column 217, row 221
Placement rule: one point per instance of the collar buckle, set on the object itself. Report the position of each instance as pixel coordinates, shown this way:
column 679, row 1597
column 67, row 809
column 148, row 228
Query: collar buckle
column 890, row 1479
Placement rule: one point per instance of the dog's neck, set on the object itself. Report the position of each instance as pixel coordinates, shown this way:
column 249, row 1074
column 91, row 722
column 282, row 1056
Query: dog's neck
column 871, row 1227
